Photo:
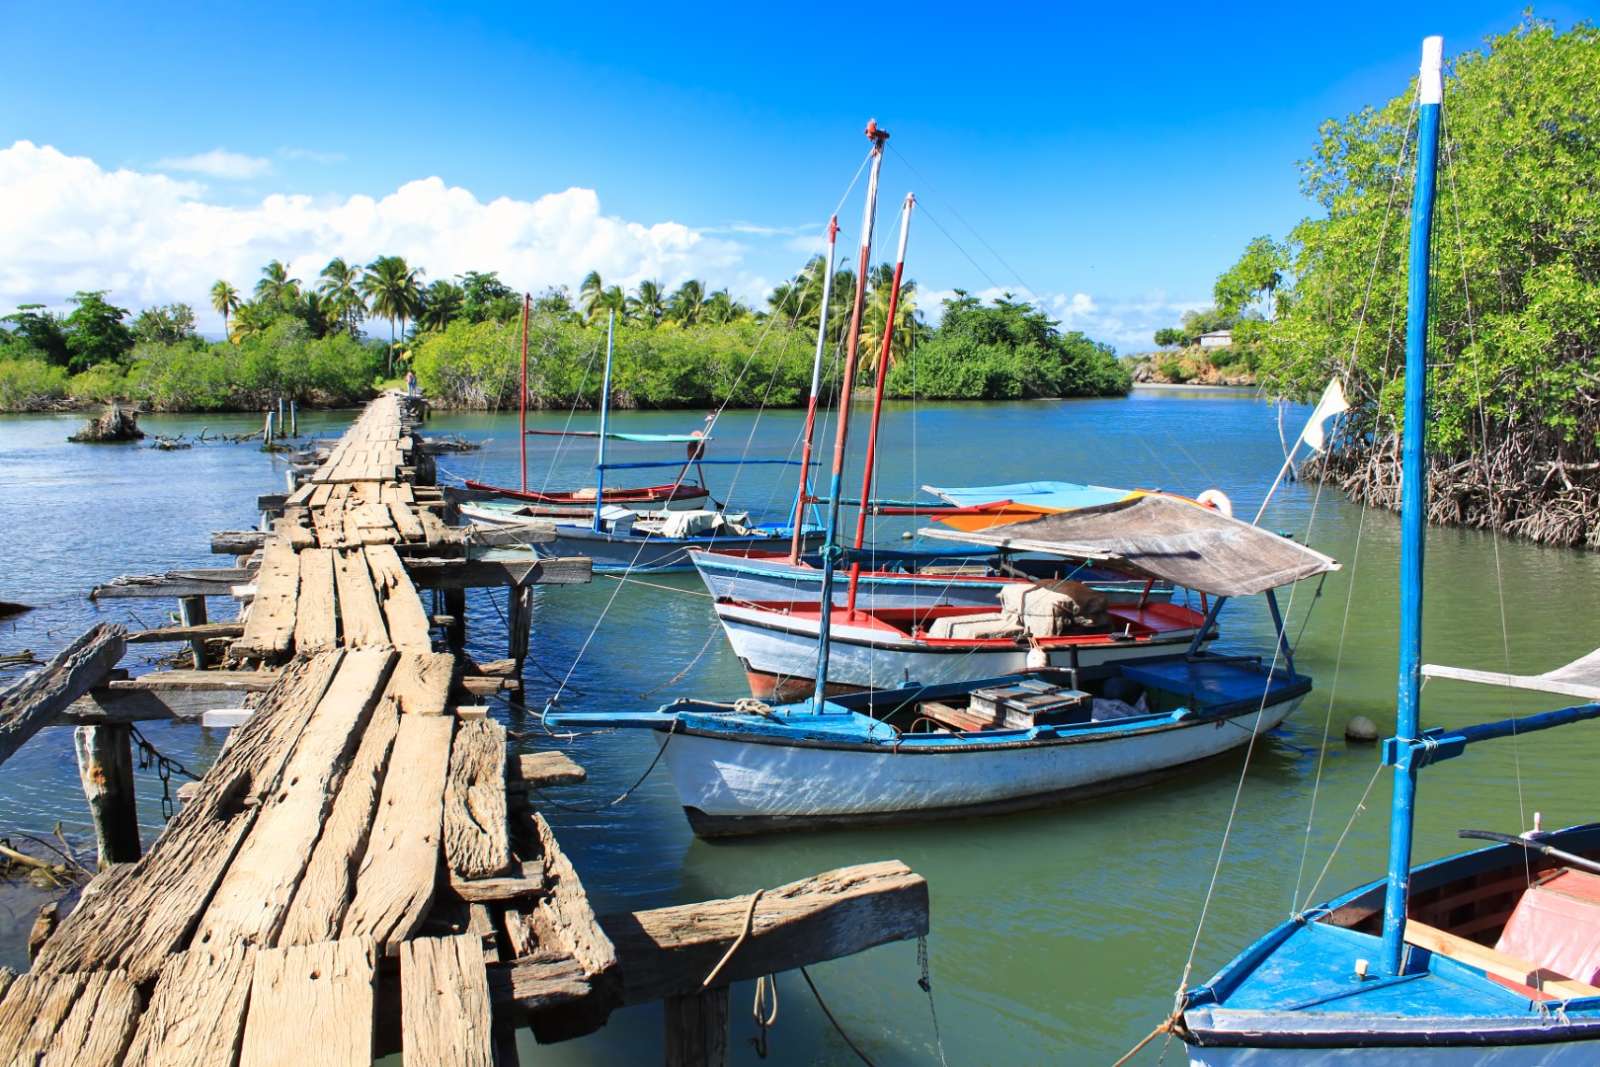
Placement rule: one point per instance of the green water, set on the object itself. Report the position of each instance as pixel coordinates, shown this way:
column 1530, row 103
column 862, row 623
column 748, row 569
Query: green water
column 1058, row 936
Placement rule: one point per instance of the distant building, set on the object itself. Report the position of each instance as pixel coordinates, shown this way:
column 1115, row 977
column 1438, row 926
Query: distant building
column 1216, row 339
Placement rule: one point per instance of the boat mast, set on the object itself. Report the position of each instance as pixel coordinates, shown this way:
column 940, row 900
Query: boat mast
column 877, row 402
column 522, row 403
column 803, row 493
column 830, row 549
column 1413, row 510
column 605, row 414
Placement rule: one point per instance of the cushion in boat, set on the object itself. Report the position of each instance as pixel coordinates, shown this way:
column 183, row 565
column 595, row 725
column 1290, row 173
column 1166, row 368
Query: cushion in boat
column 985, row 627
column 1556, row 924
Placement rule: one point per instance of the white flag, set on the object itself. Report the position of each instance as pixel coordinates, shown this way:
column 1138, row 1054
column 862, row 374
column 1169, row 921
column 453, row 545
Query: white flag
column 1331, row 404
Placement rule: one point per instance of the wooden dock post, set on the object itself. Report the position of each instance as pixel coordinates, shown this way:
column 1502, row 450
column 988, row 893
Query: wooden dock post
column 266, row 430
column 294, row 418
column 697, row 1029
column 192, row 612
column 519, row 625
column 455, row 606
column 105, row 767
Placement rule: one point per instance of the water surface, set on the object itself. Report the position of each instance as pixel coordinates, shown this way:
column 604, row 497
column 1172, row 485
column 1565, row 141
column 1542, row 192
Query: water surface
column 1058, row 936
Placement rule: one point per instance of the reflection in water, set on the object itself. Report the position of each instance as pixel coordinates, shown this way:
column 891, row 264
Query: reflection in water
column 1054, row 931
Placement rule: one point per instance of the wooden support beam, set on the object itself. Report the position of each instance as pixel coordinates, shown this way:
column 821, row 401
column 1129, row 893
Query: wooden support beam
column 455, row 605
column 192, row 612
column 258, row 681
column 237, row 542
column 697, row 1029
column 434, row 573
column 38, row 697
column 199, row 581
column 103, row 705
column 667, row 952
column 105, row 767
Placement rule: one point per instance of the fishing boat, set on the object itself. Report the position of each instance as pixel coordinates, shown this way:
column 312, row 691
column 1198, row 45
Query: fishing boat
column 1487, row 956
column 501, row 505
column 927, row 750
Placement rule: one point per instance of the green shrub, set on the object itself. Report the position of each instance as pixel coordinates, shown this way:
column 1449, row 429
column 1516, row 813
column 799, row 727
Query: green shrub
column 100, row 384
column 30, row 384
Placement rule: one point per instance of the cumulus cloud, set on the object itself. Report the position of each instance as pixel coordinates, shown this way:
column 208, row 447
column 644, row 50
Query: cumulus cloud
column 151, row 238
column 218, row 163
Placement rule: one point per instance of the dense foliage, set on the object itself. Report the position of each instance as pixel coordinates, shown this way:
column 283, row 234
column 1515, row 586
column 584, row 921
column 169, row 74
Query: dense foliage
column 1515, row 338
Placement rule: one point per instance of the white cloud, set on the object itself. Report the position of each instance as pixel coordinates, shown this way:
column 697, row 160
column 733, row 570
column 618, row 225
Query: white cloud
column 218, row 163
column 149, row 238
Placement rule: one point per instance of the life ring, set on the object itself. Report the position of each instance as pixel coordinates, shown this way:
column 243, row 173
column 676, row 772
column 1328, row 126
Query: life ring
column 1216, row 500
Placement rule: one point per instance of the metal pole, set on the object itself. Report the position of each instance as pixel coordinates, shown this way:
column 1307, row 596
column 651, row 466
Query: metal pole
column 803, row 494
column 605, row 415
column 522, row 396
column 868, row 468
column 847, row 386
column 1413, row 508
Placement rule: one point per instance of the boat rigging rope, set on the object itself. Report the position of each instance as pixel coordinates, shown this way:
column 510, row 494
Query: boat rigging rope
column 580, row 809
column 1361, row 806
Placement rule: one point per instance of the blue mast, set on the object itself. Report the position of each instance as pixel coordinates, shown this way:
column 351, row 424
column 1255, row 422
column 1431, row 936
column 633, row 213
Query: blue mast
column 830, row 546
column 605, row 413
column 1413, row 511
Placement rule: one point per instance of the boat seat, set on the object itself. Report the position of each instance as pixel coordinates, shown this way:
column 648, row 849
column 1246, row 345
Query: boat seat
column 1556, row 924
column 1496, row 963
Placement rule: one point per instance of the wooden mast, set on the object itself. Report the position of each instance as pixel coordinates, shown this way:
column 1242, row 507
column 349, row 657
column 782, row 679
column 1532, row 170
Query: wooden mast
column 877, row 403
column 830, row 547
column 522, row 397
column 1413, row 511
column 803, row 494
column 605, row 416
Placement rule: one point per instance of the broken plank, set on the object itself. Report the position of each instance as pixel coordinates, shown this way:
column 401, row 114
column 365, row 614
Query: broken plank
column 199, row 581
column 564, row 916
column 158, row 900
column 269, row 630
column 518, row 881
column 237, row 542
column 360, row 618
column 402, row 607
column 196, row 1011
column 669, row 951
column 396, row 880
column 444, row 997
column 477, row 838
column 204, row 631
column 97, row 1030
column 406, row 521
column 311, row 1004
column 102, row 705
column 258, row 681
column 316, row 620
column 292, row 531
column 250, row 902
column 539, row 770
column 35, row 699
column 482, row 686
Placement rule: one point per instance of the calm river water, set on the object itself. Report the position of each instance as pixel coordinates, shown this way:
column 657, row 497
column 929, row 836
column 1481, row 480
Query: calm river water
column 1058, row 936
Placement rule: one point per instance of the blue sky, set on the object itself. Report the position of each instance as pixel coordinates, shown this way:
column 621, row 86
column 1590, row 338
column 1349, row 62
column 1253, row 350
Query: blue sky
column 1110, row 163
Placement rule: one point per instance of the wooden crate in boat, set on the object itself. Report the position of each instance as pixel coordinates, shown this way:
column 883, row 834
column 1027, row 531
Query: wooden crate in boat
column 1029, row 703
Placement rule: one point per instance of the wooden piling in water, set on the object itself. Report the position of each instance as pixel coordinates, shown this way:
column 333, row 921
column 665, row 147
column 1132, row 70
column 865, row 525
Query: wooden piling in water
column 105, row 768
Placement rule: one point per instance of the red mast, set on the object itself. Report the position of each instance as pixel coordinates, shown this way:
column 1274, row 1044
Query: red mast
column 877, row 402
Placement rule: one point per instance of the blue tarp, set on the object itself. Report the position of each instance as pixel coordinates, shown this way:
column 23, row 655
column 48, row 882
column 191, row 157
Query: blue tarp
column 1064, row 495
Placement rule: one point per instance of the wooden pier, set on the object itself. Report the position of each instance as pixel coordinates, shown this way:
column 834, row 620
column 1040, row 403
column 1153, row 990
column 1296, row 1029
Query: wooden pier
column 363, row 870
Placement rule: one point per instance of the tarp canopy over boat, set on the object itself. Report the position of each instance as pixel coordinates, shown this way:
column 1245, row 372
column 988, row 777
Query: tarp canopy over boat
column 1580, row 678
column 1065, row 496
column 639, row 438
column 1164, row 537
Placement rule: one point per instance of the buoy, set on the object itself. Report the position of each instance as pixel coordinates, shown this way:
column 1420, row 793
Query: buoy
column 1217, row 500
column 905, row 535
column 1038, row 659
column 1361, row 729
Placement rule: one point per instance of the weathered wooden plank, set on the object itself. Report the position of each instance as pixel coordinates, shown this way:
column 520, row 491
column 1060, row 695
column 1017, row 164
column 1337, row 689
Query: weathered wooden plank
column 311, row 1004
column 295, row 533
column 402, row 607
column 421, row 683
column 237, row 542
column 518, row 881
column 668, row 951
column 33, row 1011
column 564, row 917
column 99, row 1026
column 7, row 976
column 477, row 837
column 269, row 630
column 360, row 618
column 158, row 901
column 204, row 631
column 444, row 997
column 257, row 681
column 103, row 705
column 196, row 1013
column 35, row 699
column 483, row 686
column 431, row 573
column 540, row 770
column 324, row 892
column 250, row 902
column 196, row 581
column 696, row 1029
column 406, row 521
column 396, row 880
column 316, row 620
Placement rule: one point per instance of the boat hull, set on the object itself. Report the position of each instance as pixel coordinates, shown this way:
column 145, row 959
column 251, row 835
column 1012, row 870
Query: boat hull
column 734, row 786
column 758, row 579
column 638, row 553
column 1563, row 1054
column 779, row 654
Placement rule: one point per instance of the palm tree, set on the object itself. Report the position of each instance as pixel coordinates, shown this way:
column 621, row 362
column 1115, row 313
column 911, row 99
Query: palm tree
column 225, row 298
column 647, row 304
column 275, row 286
column 320, row 313
column 251, row 319
column 613, row 299
column 441, row 304
column 393, row 293
column 688, row 303
column 721, row 309
column 591, row 294
column 907, row 326
column 340, row 284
